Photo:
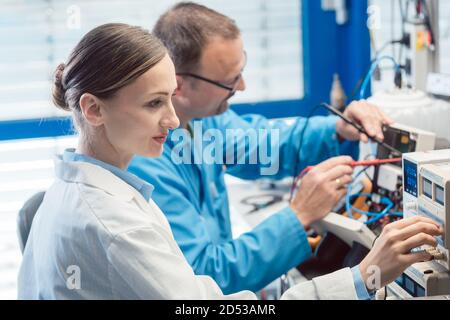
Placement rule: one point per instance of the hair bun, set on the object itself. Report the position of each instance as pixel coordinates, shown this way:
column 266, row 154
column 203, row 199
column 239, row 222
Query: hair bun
column 59, row 91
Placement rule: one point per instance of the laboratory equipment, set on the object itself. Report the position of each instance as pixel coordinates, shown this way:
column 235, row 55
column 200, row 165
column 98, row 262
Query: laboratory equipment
column 434, row 182
column 388, row 177
column 412, row 163
column 426, row 187
column 349, row 230
column 386, row 181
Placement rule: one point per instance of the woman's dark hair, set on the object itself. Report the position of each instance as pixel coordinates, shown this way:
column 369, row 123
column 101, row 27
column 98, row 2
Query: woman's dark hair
column 106, row 59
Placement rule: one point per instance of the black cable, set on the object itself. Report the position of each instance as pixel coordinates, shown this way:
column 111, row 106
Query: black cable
column 392, row 25
column 300, row 143
column 401, row 41
column 377, row 54
column 365, row 170
column 359, row 127
column 270, row 199
column 358, row 86
column 403, row 29
column 383, row 47
column 386, row 44
column 402, row 13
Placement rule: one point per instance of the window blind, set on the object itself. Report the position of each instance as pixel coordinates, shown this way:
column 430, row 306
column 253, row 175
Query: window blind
column 36, row 35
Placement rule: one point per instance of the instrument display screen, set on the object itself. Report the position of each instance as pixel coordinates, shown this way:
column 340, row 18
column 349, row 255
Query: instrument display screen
column 439, row 195
column 410, row 174
column 427, row 188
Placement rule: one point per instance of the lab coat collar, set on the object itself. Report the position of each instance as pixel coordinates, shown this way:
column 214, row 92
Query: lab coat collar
column 144, row 188
column 95, row 176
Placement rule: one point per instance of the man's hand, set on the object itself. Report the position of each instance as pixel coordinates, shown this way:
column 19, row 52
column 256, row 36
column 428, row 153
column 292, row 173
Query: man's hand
column 370, row 117
column 321, row 189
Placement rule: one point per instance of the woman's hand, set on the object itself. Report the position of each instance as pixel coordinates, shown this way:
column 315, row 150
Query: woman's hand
column 391, row 253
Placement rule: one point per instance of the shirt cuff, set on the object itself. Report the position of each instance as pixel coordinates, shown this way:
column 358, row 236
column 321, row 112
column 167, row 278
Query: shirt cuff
column 299, row 233
column 361, row 290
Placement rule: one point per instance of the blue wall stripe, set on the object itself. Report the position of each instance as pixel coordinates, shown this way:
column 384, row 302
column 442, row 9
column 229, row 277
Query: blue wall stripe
column 36, row 128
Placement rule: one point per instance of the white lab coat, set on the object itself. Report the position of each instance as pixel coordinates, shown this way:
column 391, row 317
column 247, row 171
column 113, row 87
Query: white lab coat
column 95, row 237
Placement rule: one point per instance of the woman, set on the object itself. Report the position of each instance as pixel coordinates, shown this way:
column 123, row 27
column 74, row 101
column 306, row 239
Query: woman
column 98, row 234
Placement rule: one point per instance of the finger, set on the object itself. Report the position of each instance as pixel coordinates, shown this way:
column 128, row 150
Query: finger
column 403, row 223
column 376, row 124
column 333, row 162
column 385, row 119
column 369, row 125
column 417, row 241
column 379, row 130
column 371, row 119
column 341, row 182
column 362, row 112
column 416, row 228
column 377, row 119
column 415, row 257
column 351, row 133
column 363, row 138
column 341, row 193
column 382, row 118
column 337, row 172
column 337, row 195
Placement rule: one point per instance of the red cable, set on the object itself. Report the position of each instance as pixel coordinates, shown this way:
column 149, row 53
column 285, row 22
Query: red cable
column 364, row 163
column 367, row 163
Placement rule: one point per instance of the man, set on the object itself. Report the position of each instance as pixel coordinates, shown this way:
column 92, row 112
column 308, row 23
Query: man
column 208, row 53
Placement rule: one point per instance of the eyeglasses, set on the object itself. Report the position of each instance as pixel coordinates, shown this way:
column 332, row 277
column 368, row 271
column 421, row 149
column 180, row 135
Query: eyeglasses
column 231, row 88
